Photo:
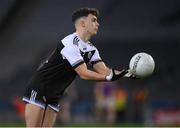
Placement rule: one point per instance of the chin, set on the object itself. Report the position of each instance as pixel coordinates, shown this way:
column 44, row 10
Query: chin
column 95, row 33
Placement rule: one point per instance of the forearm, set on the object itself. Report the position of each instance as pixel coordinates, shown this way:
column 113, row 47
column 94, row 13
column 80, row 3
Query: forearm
column 111, row 74
column 87, row 74
column 105, row 73
column 102, row 68
column 91, row 75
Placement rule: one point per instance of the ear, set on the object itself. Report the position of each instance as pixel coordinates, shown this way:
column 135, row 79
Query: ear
column 82, row 22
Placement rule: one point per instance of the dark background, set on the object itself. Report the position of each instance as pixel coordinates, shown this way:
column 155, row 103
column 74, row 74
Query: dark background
column 30, row 29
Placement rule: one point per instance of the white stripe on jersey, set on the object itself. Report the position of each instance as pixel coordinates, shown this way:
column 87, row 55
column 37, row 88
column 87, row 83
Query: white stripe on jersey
column 33, row 95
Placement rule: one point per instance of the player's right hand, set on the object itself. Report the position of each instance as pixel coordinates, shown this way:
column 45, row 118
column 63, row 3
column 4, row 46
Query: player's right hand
column 116, row 75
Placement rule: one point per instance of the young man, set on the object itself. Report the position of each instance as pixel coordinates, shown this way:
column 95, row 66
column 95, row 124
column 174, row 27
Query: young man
column 60, row 69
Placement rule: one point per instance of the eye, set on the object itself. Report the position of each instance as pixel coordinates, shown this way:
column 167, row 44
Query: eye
column 94, row 20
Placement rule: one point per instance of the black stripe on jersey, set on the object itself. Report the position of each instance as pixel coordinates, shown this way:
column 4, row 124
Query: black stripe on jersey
column 77, row 63
column 75, row 40
column 95, row 62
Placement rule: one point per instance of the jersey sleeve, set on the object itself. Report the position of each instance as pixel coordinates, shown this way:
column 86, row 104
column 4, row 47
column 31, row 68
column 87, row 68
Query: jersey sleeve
column 72, row 54
column 95, row 58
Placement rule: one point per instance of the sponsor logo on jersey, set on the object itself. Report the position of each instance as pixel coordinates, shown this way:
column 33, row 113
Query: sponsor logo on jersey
column 84, row 48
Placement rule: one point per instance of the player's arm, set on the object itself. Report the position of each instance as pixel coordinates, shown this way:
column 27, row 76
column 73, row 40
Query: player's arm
column 72, row 54
column 87, row 74
column 101, row 68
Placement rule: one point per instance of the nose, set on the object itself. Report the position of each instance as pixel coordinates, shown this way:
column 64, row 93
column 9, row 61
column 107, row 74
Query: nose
column 98, row 24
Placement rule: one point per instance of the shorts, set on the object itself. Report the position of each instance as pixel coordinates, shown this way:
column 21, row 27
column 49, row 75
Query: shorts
column 37, row 100
column 36, row 94
column 48, row 85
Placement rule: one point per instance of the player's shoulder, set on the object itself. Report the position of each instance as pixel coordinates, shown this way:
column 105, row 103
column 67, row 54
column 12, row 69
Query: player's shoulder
column 67, row 38
column 71, row 39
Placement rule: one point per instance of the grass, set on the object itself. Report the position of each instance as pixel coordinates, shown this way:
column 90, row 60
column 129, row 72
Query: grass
column 22, row 124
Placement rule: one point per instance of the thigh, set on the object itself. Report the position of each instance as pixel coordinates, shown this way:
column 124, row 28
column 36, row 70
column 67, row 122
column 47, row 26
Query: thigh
column 33, row 115
column 49, row 117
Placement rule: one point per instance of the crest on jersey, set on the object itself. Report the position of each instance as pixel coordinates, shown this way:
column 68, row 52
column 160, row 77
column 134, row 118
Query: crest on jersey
column 87, row 55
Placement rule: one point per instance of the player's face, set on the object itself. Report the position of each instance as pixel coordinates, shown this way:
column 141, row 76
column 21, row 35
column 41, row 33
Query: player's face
column 91, row 24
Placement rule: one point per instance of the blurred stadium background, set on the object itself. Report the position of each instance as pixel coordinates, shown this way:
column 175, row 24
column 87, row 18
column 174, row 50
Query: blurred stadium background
column 30, row 29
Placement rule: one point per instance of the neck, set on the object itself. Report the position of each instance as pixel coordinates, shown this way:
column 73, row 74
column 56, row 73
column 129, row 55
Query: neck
column 85, row 36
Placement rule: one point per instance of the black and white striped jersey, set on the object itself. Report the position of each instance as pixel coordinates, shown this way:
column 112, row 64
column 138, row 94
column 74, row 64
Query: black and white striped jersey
column 77, row 51
column 57, row 72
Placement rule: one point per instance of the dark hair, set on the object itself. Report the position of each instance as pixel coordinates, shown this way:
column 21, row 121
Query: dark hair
column 84, row 12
